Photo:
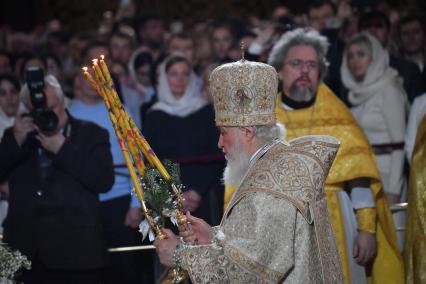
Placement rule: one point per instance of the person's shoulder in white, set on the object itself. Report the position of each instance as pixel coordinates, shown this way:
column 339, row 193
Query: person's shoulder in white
column 417, row 111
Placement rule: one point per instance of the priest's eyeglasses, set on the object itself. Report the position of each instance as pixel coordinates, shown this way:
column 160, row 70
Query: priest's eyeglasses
column 298, row 64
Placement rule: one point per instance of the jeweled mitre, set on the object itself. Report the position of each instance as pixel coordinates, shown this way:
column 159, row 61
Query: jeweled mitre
column 244, row 93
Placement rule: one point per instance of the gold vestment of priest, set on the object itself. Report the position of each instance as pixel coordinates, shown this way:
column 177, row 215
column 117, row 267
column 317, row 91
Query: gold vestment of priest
column 415, row 238
column 276, row 228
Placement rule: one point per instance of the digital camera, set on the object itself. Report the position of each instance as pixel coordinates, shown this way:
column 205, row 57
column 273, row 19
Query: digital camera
column 45, row 119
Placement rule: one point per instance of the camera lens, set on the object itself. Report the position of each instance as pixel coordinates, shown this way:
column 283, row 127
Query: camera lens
column 46, row 120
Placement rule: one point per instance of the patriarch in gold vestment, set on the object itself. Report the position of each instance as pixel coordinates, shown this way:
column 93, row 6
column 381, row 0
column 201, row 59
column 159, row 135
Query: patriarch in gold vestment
column 360, row 215
column 276, row 228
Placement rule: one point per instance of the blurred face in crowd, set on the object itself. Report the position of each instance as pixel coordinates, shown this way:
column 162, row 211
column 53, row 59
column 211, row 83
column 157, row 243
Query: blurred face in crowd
column 56, row 104
column 205, row 85
column 412, row 37
column 53, row 67
column 279, row 12
column 121, row 49
column 234, row 54
column 377, row 29
column 35, row 62
column 319, row 16
column 143, row 74
column 152, row 33
column 95, row 52
column 181, row 45
column 350, row 29
column 178, row 76
column 5, row 66
column 358, row 60
column 76, row 47
column 203, row 50
column 83, row 90
column 9, row 98
column 119, row 70
column 300, row 73
column 221, row 42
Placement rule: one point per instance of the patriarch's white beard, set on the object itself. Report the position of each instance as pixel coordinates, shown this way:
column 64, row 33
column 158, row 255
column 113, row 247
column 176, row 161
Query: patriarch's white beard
column 237, row 165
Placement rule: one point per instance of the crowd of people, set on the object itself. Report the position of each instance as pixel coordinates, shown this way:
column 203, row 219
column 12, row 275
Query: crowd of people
column 356, row 73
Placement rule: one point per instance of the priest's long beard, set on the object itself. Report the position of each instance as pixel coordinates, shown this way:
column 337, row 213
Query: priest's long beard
column 237, row 165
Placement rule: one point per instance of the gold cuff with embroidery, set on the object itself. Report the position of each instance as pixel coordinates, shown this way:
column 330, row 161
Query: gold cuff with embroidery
column 366, row 219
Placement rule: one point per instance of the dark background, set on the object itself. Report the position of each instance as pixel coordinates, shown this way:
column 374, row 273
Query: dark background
column 24, row 15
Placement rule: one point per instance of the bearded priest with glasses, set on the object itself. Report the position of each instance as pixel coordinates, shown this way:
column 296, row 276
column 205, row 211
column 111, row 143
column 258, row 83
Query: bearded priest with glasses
column 360, row 215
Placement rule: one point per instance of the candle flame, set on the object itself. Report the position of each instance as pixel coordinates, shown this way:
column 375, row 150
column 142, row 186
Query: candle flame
column 95, row 61
column 102, row 56
column 84, row 69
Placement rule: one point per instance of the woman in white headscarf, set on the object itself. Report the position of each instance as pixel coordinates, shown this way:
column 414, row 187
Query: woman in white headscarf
column 180, row 127
column 379, row 105
column 177, row 91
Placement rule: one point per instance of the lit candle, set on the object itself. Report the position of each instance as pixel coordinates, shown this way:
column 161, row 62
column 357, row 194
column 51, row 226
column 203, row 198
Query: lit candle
column 98, row 73
column 123, row 119
column 104, row 68
column 131, row 141
column 107, row 92
column 90, row 78
column 99, row 86
column 108, row 81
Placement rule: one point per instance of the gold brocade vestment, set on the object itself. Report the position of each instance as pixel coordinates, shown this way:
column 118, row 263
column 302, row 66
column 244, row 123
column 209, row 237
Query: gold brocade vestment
column 329, row 116
column 415, row 240
column 276, row 229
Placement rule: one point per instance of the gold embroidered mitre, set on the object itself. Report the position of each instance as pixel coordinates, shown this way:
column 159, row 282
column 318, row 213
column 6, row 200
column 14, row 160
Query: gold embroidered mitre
column 244, row 93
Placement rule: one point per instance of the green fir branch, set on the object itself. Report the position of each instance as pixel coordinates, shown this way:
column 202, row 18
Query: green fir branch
column 158, row 193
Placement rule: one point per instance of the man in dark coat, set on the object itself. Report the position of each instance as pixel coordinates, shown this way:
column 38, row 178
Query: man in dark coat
column 55, row 178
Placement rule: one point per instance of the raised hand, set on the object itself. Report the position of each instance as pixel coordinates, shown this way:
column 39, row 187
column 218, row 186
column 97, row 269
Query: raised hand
column 51, row 143
column 24, row 125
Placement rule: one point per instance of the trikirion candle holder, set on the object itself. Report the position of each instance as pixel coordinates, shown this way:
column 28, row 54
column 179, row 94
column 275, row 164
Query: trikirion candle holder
column 135, row 150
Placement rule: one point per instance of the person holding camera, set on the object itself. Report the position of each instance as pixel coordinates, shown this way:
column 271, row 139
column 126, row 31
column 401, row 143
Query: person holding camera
column 56, row 166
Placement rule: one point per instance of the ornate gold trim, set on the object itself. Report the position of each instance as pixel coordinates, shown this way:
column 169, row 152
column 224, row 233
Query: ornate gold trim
column 251, row 265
